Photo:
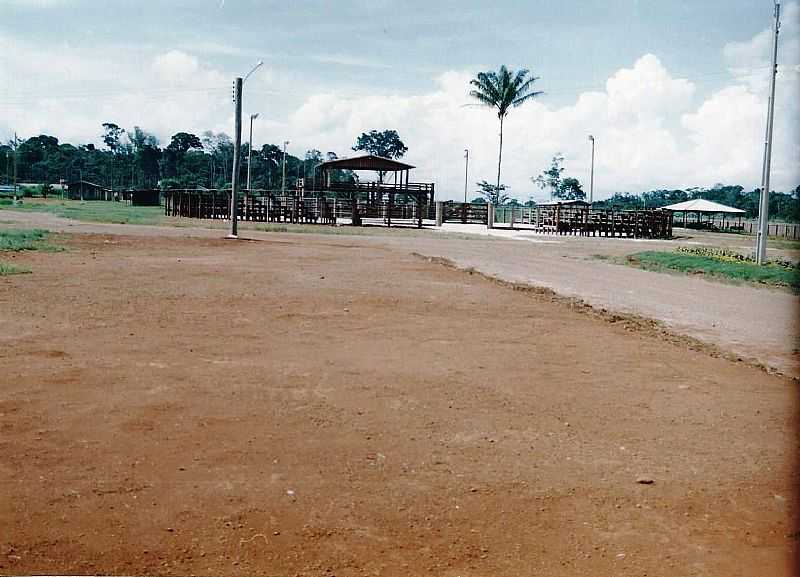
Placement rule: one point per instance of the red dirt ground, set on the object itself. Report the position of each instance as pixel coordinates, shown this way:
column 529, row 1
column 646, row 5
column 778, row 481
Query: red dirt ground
column 314, row 406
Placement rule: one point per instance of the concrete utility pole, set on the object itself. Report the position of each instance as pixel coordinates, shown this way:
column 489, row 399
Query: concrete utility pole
column 250, row 149
column 466, row 173
column 591, row 174
column 283, row 169
column 16, row 145
column 763, row 211
column 237, row 98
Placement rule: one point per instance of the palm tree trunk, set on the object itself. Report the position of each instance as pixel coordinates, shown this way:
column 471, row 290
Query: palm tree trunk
column 499, row 160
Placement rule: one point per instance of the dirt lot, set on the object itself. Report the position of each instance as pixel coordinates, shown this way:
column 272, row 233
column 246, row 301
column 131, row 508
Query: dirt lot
column 311, row 406
column 755, row 323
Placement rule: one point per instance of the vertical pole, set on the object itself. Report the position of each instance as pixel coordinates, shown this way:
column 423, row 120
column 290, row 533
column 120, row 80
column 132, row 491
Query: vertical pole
column 237, row 146
column 15, row 167
column 466, row 173
column 249, row 153
column 283, row 170
column 591, row 175
column 763, row 211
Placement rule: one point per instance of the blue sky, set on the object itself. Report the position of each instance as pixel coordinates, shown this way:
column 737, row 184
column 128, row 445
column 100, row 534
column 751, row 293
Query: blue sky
column 333, row 69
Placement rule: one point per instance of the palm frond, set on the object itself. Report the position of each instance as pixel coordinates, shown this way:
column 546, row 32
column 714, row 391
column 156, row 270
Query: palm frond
column 503, row 88
column 483, row 98
column 487, row 82
column 525, row 86
column 519, row 77
column 525, row 97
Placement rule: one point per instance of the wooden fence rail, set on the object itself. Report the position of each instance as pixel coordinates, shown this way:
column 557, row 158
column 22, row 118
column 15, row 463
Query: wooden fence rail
column 572, row 220
column 262, row 206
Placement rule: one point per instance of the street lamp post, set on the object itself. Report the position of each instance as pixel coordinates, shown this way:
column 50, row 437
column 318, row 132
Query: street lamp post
column 250, row 149
column 283, row 169
column 237, row 97
column 466, row 172
column 591, row 173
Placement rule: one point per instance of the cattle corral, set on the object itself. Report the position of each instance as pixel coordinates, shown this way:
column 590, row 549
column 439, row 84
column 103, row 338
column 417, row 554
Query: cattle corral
column 316, row 405
column 379, row 203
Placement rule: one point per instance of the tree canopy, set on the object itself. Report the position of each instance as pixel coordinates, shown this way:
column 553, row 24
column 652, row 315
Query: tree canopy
column 570, row 189
column 492, row 193
column 134, row 159
column 550, row 177
column 386, row 144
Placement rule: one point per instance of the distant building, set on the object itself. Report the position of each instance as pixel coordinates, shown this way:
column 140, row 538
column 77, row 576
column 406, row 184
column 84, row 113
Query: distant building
column 85, row 190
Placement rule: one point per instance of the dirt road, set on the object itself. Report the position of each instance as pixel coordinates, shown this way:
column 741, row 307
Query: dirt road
column 755, row 323
column 330, row 406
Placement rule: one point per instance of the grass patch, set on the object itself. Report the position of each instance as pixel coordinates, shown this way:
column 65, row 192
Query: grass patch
column 18, row 239
column 93, row 211
column 9, row 269
column 740, row 271
column 783, row 243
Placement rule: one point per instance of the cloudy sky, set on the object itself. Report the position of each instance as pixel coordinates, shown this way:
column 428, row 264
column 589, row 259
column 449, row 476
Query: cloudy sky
column 674, row 92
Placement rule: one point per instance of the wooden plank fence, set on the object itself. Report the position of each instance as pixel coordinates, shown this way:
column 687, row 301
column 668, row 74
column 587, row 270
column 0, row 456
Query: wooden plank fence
column 568, row 220
column 268, row 207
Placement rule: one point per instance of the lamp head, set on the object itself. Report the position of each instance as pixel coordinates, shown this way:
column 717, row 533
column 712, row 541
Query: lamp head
column 259, row 63
column 591, row 138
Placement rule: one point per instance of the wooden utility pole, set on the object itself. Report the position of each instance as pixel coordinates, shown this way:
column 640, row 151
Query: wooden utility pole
column 237, row 98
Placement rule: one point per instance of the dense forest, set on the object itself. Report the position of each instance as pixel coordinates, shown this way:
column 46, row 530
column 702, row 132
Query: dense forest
column 134, row 159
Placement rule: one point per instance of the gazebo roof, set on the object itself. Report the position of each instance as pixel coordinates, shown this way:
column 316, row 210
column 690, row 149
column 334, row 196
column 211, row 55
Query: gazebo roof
column 701, row 205
column 366, row 162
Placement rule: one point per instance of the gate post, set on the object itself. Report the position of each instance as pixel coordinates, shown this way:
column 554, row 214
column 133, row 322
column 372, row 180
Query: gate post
column 490, row 215
column 439, row 212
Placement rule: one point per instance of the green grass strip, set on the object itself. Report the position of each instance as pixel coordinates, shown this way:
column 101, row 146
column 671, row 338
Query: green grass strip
column 94, row 211
column 9, row 269
column 769, row 274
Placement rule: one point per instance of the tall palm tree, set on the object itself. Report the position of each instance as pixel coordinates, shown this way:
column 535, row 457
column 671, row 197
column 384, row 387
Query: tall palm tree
column 504, row 89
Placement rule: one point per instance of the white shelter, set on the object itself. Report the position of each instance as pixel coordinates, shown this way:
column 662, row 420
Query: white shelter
column 707, row 208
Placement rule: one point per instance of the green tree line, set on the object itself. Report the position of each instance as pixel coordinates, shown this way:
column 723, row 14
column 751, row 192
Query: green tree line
column 783, row 206
column 133, row 159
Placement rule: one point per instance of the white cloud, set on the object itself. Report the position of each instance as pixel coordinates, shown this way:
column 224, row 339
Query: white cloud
column 644, row 137
column 176, row 66
column 653, row 130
